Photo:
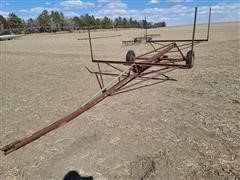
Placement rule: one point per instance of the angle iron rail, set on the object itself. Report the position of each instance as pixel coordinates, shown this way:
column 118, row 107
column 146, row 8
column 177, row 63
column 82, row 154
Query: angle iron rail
column 92, row 102
column 20, row 143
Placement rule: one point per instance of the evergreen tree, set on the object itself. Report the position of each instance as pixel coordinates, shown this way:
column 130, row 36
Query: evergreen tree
column 30, row 26
column 98, row 23
column 106, row 23
column 118, row 22
column 68, row 24
column 44, row 20
column 76, row 21
column 4, row 27
column 125, row 23
column 15, row 23
column 55, row 21
column 87, row 20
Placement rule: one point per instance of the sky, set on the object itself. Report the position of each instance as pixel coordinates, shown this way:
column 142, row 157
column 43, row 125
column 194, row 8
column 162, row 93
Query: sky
column 173, row 12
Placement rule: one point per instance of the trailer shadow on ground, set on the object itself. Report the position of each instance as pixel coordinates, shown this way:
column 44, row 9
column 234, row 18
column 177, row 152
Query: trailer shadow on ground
column 74, row 175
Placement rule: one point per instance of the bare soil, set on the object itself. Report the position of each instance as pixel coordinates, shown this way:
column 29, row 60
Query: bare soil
column 184, row 129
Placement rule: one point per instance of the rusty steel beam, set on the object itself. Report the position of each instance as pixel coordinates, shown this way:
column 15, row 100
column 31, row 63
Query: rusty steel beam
column 153, row 51
column 209, row 22
column 20, row 143
column 194, row 29
column 152, row 77
column 193, row 36
column 90, row 44
column 158, row 54
column 105, row 92
column 141, row 63
column 146, row 27
column 114, row 67
column 161, row 53
column 99, row 83
column 177, row 40
column 99, row 69
column 162, row 58
column 179, row 50
column 139, row 77
column 153, row 35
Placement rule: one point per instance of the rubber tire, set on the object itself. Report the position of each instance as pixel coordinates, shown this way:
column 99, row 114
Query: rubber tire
column 130, row 56
column 190, row 59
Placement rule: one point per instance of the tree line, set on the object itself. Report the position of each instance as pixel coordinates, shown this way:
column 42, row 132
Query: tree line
column 55, row 21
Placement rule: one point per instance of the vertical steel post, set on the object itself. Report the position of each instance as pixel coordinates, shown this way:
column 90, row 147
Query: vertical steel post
column 90, row 44
column 146, row 27
column 99, row 69
column 100, row 85
column 194, row 29
column 209, row 19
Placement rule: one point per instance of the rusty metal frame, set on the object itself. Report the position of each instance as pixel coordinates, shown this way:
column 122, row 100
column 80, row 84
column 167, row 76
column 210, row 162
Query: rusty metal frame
column 193, row 34
column 136, row 69
column 147, row 37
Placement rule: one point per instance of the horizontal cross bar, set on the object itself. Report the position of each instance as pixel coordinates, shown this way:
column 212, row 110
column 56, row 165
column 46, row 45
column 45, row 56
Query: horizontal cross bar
column 140, row 63
column 177, row 40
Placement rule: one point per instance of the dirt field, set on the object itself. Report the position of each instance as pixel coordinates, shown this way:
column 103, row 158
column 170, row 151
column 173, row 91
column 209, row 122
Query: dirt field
column 188, row 129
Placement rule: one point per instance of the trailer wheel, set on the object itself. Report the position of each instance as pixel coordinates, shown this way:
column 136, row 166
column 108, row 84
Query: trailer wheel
column 130, row 56
column 190, row 59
